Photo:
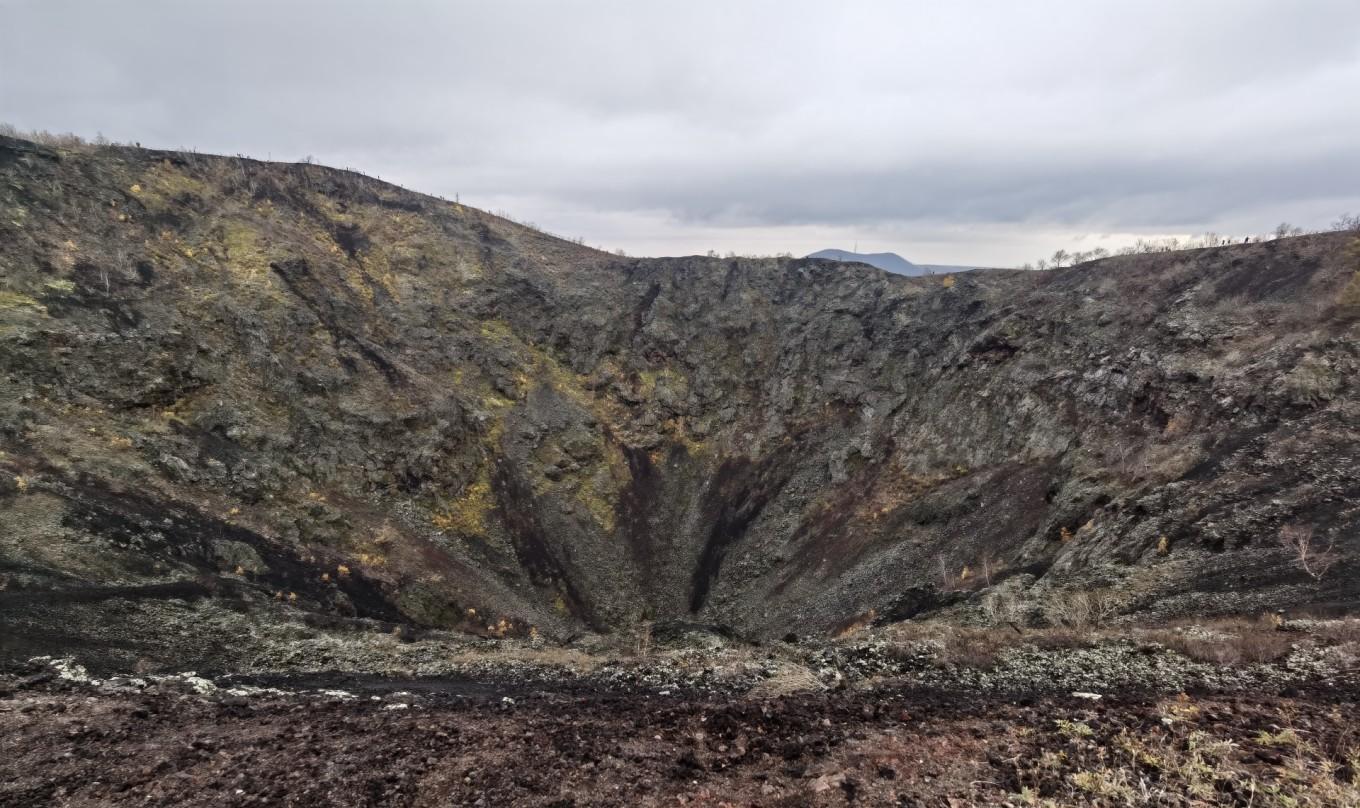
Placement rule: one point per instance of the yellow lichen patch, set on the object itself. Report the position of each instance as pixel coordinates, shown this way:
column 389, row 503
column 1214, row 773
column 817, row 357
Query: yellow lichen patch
column 497, row 330
column 469, row 270
column 244, row 253
column 1349, row 300
column 164, row 183
column 598, row 494
column 679, row 432
column 388, row 280
column 649, row 379
column 378, row 269
column 469, row 512
column 358, row 282
column 400, row 242
column 947, row 282
column 14, row 300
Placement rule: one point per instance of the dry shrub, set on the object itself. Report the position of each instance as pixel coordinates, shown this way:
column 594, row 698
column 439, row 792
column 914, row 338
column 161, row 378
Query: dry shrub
column 1226, row 641
column 61, row 140
column 1309, row 552
column 975, row 648
column 1346, row 656
column 642, row 644
column 788, row 678
column 1243, row 649
column 855, row 625
column 956, row 645
column 981, row 647
column 1338, row 631
column 1002, row 609
column 1080, row 610
column 1348, row 303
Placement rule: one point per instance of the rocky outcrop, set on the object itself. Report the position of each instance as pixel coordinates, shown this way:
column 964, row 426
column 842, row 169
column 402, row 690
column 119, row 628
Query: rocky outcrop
column 289, row 389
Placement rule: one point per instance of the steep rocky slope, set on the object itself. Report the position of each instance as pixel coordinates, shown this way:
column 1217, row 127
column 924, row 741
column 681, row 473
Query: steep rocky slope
column 233, row 391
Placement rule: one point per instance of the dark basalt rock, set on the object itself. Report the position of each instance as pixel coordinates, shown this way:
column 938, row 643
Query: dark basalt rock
column 413, row 412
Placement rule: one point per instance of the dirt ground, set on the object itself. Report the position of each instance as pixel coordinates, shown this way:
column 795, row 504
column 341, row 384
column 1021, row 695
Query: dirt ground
column 76, row 745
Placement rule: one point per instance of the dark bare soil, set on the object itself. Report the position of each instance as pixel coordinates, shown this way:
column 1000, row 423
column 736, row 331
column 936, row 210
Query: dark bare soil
column 63, row 744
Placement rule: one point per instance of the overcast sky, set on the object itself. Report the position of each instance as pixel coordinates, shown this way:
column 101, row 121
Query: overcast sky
column 950, row 132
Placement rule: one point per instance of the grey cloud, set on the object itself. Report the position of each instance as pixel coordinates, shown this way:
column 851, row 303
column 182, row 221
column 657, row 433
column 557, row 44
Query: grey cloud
column 750, row 118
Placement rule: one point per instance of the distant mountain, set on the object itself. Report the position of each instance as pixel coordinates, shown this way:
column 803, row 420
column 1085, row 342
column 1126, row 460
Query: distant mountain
column 888, row 262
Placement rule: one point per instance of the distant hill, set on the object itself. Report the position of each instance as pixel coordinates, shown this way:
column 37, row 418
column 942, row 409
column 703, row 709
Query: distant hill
column 888, row 262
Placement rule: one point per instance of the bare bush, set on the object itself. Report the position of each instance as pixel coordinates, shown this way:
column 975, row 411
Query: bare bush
column 1172, row 244
column 59, row 140
column 1225, row 642
column 1308, row 552
column 1003, row 609
column 1080, row 610
column 788, row 678
column 642, row 645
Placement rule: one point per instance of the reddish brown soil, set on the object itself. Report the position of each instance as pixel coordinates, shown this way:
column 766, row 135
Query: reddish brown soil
column 72, row 746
